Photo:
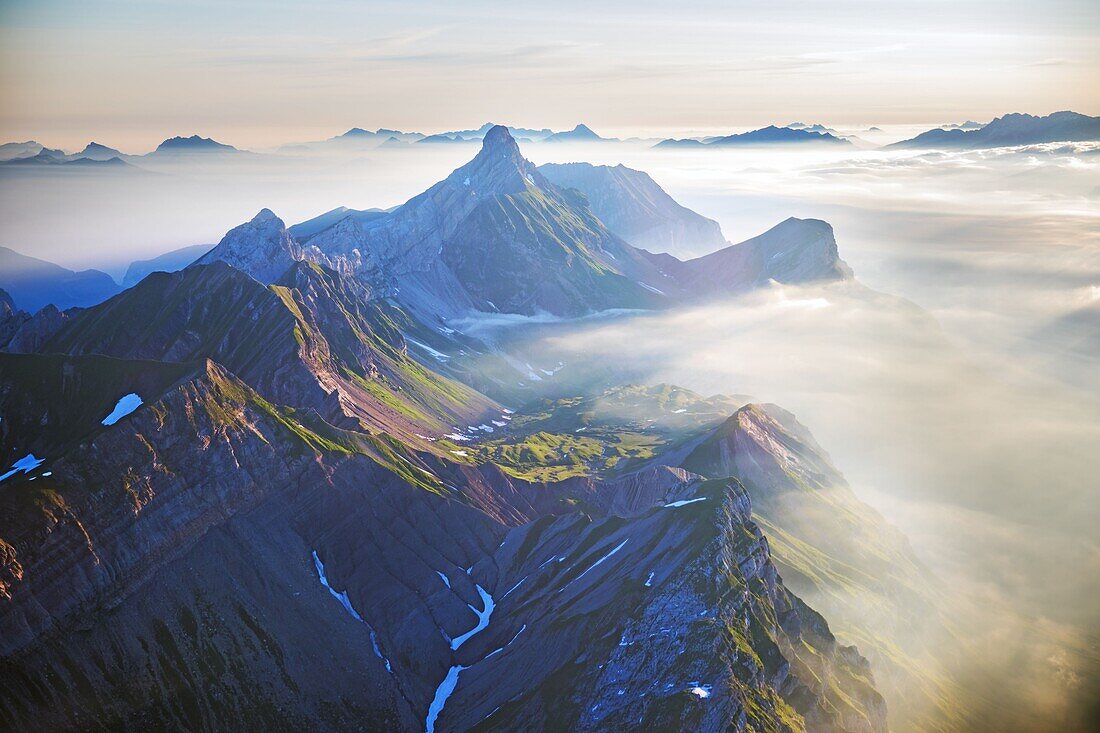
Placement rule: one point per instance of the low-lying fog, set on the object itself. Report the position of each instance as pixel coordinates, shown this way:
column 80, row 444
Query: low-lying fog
column 971, row 419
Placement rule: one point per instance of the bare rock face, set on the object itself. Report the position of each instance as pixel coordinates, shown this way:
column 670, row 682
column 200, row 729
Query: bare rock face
column 262, row 247
column 23, row 333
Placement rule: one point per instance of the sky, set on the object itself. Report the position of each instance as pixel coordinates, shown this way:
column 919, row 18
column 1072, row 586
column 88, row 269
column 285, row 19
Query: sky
column 129, row 73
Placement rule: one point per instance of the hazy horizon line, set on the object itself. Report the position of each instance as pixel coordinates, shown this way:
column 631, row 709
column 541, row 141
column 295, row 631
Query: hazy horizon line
column 149, row 140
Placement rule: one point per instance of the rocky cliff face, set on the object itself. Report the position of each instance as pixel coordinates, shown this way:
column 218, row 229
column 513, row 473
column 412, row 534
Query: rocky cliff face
column 21, row 332
column 261, row 247
column 843, row 556
column 795, row 251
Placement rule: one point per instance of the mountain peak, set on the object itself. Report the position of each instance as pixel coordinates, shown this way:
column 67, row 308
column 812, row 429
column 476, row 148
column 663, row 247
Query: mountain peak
column 262, row 247
column 194, row 143
column 264, row 215
column 498, row 168
column 580, row 133
column 498, row 137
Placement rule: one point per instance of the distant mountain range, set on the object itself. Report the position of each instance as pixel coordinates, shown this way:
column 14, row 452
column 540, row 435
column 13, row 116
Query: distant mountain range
column 95, row 151
column 319, row 223
column 770, row 135
column 10, row 151
column 55, row 159
column 1010, row 130
column 579, row 134
column 386, row 138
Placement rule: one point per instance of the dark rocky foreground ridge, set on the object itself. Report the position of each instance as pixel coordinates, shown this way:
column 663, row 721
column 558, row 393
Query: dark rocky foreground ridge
column 303, row 526
column 168, row 573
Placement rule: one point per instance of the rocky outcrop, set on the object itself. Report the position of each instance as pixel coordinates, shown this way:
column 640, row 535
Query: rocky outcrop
column 262, row 247
column 22, row 333
column 842, row 556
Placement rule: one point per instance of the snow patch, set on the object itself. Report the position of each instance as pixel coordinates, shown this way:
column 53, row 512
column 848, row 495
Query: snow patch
column 446, row 687
column 482, row 618
column 125, row 405
column 439, row 355
column 444, row 578
column 498, row 651
column 701, row 691
column 684, row 502
column 649, row 580
column 509, row 592
column 26, row 464
column 342, row 596
column 596, row 564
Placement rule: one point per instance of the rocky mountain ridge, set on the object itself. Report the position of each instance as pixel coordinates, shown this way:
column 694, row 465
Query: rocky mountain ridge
column 497, row 236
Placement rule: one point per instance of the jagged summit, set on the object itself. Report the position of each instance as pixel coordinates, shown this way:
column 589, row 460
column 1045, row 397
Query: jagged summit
column 265, row 215
column 262, row 247
column 498, row 168
column 498, row 135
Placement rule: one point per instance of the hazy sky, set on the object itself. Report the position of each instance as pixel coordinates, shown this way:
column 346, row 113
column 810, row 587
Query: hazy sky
column 128, row 73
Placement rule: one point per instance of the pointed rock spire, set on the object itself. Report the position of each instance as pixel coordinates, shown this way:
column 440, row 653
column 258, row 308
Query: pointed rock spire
column 499, row 168
column 265, row 215
column 262, row 247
